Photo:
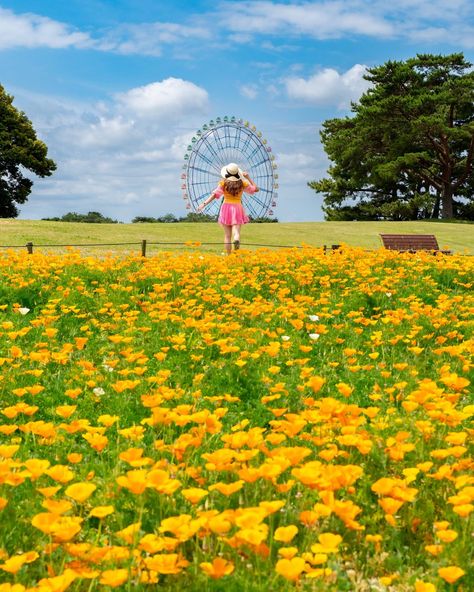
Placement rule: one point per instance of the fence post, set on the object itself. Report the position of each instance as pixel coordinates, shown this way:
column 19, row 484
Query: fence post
column 144, row 248
column 29, row 248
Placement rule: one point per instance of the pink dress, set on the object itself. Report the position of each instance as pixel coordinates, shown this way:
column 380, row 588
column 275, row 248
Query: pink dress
column 232, row 211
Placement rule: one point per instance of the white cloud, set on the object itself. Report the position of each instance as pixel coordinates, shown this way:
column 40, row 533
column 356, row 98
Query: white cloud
column 417, row 20
column 329, row 87
column 32, row 30
column 426, row 10
column 320, row 20
column 149, row 38
column 297, row 166
column 169, row 98
column 249, row 91
column 105, row 132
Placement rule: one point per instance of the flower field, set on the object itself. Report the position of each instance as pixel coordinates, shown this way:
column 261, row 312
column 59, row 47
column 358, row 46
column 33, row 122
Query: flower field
column 274, row 420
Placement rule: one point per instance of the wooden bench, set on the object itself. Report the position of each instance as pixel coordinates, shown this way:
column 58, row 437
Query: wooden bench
column 411, row 243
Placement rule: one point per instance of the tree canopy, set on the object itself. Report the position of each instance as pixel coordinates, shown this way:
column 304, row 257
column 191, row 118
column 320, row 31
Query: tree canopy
column 90, row 218
column 407, row 151
column 20, row 149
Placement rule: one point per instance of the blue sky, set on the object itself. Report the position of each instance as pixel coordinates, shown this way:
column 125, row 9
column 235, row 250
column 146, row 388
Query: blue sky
column 117, row 88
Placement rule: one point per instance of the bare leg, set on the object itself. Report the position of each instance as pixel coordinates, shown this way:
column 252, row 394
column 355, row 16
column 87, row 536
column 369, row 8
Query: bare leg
column 227, row 238
column 236, row 236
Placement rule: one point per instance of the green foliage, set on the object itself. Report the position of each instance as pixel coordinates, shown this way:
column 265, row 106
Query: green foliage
column 171, row 218
column 191, row 217
column 167, row 218
column 194, row 217
column 90, row 218
column 263, row 220
column 407, row 152
column 19, row 149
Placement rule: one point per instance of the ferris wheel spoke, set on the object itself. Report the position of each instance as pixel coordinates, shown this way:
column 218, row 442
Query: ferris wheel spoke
column 237, row 136
column 260, row 202
column 205, row 194
column 195, row 168
column 227, row 139
column 218, row 138
column 246, row 143
column 211, row 149
column 254, row 152
column 260, row 163
column 202, row 183
column 209, row 162
column 252, row 210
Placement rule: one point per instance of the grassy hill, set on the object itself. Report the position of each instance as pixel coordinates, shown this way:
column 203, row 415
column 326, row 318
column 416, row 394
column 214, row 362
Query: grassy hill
column 456, row 236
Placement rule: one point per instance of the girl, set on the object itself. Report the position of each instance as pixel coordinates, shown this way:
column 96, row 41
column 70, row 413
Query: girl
column 232, row 214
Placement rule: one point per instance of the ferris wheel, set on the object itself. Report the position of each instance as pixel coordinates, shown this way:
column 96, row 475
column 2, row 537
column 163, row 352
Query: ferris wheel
column 229, row 140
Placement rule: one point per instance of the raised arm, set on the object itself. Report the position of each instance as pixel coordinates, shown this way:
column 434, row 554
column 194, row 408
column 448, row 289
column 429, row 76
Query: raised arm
column 218, row 192
column 252, row 184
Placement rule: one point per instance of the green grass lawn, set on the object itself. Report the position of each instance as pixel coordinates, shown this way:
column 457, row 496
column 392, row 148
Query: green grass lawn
column 458, row 237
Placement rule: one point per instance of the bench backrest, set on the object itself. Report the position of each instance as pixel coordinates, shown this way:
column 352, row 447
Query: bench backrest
column 410, row 242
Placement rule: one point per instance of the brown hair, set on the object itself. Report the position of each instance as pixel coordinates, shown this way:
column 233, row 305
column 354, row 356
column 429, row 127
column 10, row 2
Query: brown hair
column 233, row 187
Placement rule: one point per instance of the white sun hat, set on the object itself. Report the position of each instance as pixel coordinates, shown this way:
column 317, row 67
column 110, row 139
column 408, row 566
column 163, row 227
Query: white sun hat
column 232, row 172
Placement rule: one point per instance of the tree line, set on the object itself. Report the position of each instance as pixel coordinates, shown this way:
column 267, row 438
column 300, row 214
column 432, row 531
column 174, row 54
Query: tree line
column 98, row 218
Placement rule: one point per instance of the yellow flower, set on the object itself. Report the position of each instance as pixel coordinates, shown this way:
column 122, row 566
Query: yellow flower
column 57, row 506
column 114, row 577
column 328, row 543
column 108, row 420
column 316, row 383
column 60, row 473
column 287, row 552
column 15, row 563
column 227, row 488
column 171, row 563
column 434, row 549
column 424, row 586
column 291, row 569
column 451, row 573
column 62, row 528
column 344, row 389
column 48, row 491
column 7, row 587
column 194, row 494
column 102, row 511
column 7, row 451
column 129, row 534
column 57, row 583
column 80, row 492
column 97, row 441
column 135, row 481
column 66, row 411
column 463, row 510
column 218, row 568
column 390, row 505
column 447, row 536
column 285, row 534
column 219, row 524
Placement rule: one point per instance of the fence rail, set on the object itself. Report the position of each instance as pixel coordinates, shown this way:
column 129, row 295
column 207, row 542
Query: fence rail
column 143, row 244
